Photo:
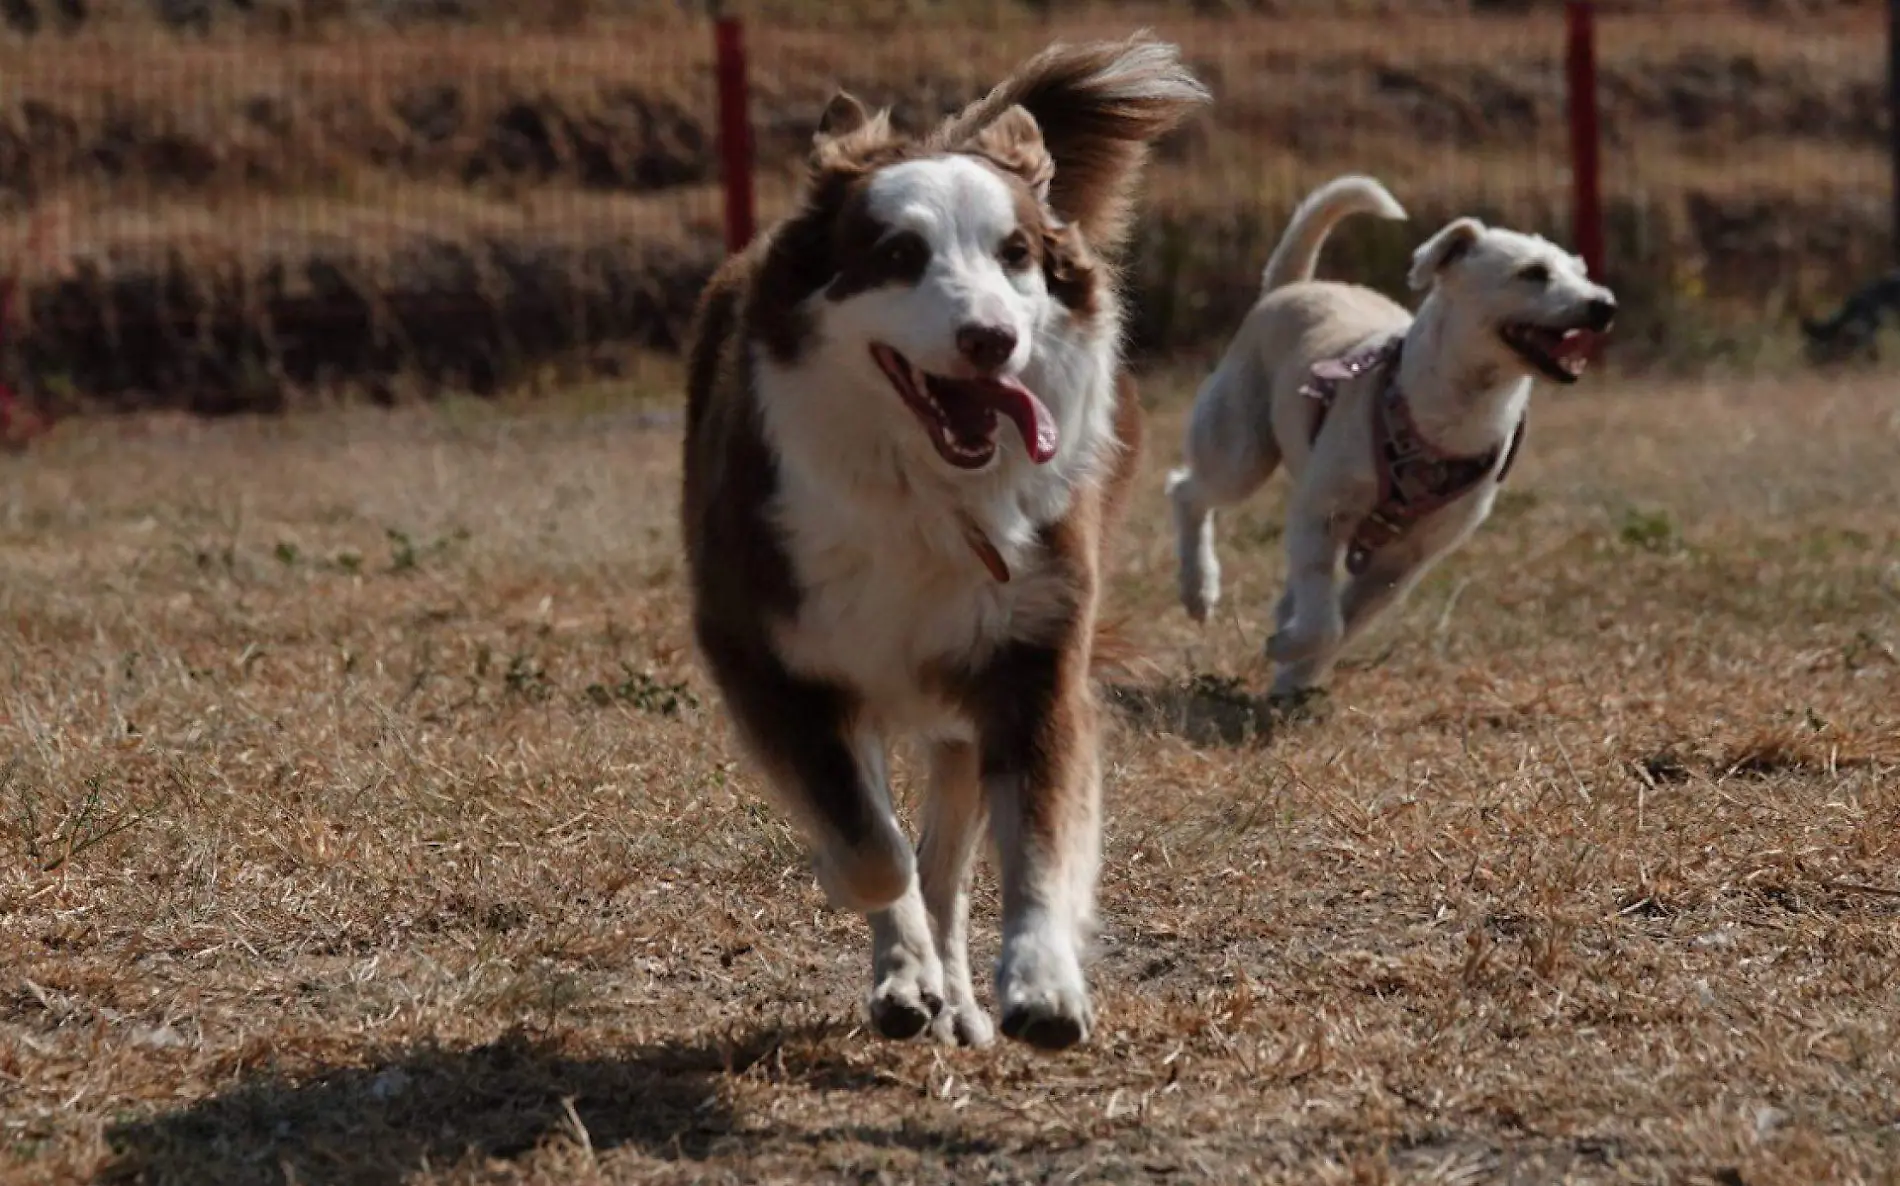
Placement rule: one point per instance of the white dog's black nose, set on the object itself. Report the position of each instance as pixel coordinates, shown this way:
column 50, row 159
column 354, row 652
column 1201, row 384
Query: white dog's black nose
column 1602, row 312
column 986, row 347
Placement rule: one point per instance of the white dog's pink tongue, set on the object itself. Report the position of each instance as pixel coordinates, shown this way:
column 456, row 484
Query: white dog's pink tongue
column 1032, row 420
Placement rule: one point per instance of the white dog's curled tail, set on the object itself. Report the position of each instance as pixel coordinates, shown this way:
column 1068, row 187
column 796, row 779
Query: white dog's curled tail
column 1297, row 255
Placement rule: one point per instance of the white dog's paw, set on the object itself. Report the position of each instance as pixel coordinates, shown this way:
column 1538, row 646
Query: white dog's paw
column 1199, row 573
column 1042, row 995
column 1296, row 695
column 1291, row 682
column 963, row 1023
column 1303, row 641
column 1177, row 479
column 907, row 998
column 1200, row 592
column 1294, row 646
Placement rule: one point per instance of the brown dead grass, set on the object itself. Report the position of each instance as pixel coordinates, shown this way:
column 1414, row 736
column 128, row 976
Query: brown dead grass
column 205, row 188
column 365, row 819
column 130, row 113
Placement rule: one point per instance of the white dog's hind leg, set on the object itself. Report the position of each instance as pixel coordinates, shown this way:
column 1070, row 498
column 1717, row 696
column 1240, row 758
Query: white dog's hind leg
column 1292, row 679
column 1283, row 610
column 1198, row 565
column 955, row 811
column 1228, row 459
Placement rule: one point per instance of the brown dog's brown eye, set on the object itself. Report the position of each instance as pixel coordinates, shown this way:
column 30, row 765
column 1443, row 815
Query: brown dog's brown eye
column 1535, row 274
column 905, row 255
column 1015, row 251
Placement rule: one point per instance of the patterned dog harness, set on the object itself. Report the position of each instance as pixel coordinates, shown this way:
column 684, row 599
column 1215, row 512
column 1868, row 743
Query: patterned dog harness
column 1415, row 479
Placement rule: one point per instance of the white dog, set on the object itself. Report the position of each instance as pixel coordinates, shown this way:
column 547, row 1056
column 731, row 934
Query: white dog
column 1397, row 430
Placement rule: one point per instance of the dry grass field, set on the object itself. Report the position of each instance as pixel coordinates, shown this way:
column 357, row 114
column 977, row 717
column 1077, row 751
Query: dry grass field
column 364, row 819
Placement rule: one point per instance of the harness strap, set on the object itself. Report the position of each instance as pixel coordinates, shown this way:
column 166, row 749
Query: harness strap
column 1327, row 374
column 1510, row 450
column 1415, row 478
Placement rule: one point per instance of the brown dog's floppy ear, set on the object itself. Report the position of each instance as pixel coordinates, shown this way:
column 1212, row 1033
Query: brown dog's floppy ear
column 1013, row 142
column 843, row 115
column 1098, row 107
column 845, row 130
column 1442, row 250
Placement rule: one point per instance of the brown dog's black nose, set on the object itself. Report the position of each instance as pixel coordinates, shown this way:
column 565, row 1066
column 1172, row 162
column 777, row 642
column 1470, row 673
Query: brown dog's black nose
column 986, row 347
column 1602, row 313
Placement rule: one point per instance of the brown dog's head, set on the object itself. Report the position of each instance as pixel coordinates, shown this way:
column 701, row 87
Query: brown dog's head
column 952, row 270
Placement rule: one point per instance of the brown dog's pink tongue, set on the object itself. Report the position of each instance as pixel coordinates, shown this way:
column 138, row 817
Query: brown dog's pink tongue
column 1032, row 420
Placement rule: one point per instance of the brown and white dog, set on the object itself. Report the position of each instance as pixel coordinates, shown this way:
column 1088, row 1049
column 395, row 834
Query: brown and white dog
column 872, row 559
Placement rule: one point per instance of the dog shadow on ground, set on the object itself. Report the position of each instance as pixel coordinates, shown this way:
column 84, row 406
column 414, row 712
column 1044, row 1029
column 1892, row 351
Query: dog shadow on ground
column 379, row 1123
column 1209, row 710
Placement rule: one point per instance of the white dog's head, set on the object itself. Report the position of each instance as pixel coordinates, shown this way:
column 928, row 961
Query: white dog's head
column 1524, row 297
column 931, row 289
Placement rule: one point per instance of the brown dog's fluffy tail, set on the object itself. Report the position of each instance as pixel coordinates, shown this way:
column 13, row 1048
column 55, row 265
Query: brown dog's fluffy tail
column 1099, row 105
column 1115, row 655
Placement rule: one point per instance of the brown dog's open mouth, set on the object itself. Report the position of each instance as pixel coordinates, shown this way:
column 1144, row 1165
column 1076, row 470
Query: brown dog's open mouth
column 1561, row 354
column 960, row 414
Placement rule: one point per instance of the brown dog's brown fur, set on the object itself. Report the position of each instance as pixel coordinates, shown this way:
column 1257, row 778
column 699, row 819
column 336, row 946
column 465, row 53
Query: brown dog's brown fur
column 1068, row 146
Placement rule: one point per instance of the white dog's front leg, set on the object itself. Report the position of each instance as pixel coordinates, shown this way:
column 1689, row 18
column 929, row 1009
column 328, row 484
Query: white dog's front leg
column 1387, row 580
column 1315, row 626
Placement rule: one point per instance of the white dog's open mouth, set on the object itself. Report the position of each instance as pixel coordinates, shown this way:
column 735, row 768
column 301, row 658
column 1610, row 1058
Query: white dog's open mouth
column 1561, row 354
column 960, row 414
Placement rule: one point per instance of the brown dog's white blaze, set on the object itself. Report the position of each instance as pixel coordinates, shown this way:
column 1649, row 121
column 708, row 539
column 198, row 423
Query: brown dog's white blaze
column 835, row 595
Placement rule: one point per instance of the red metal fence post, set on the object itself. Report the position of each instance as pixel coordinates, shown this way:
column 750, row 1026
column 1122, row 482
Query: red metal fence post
column 1893, row 114
column 18, row 423
column 1586, row 180
column 735, row 130
column 9, row 406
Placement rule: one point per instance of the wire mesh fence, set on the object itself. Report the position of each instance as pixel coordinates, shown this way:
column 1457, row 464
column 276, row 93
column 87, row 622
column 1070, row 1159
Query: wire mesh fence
column 216, row 203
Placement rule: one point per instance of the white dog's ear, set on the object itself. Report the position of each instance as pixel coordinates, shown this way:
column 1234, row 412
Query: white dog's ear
column 1442, row 250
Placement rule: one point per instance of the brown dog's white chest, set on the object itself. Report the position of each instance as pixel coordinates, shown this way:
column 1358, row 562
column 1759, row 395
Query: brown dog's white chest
column 888, row 598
